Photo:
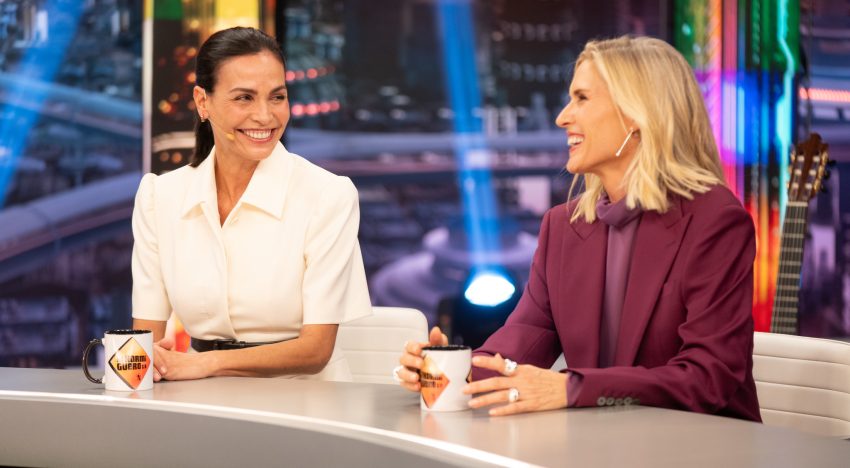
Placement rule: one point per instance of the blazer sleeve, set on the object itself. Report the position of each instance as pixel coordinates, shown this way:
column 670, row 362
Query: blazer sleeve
column 717, row 334
column 529, row 334
column 150, row 298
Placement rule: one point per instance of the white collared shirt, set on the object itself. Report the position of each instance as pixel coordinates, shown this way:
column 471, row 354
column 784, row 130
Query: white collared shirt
column 287, row 255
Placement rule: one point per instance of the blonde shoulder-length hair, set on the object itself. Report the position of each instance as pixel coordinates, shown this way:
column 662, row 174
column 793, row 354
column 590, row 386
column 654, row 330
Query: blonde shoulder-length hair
column 651, row 83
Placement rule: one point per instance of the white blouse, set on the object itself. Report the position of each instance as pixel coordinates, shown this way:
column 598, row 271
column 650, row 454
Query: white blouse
column 287, row 255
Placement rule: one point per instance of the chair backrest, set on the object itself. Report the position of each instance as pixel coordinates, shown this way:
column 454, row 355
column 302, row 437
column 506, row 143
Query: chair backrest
column 803, row 383
column 373, row 344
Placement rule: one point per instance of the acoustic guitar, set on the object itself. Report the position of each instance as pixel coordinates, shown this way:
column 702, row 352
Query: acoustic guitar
column 808, row 169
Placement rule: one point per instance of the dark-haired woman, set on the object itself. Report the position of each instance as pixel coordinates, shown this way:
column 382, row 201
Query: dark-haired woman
column 252, row 247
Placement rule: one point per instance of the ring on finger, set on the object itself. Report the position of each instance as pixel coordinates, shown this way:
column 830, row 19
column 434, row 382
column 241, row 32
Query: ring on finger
column 397, row 377
column 513, row 395
column 510, row 367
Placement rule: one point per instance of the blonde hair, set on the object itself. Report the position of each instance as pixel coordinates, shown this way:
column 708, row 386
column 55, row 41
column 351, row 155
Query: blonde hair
column 651, row 83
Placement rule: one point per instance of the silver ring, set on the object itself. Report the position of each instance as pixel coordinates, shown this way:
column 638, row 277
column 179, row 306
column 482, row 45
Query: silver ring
column 513, row 395
column 510, row 367
column 397, row 377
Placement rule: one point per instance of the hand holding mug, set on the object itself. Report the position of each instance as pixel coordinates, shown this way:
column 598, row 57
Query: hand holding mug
column 411, row 360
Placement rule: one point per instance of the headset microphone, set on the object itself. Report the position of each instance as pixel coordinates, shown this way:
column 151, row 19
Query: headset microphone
column 623, row 146
column 230, row 135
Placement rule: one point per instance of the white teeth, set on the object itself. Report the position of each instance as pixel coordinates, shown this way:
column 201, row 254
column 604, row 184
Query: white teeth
column 574, row 140
column 258, row 134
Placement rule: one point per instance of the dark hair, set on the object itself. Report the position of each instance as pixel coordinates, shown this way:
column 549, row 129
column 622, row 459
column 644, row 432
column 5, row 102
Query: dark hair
column 221, row 46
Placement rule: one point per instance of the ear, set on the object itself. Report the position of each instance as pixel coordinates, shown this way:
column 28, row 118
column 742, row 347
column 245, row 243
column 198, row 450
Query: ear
column 200, row 98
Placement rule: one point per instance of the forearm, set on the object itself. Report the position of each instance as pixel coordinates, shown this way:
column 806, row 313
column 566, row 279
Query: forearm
column 156, row 326
column 307, row 354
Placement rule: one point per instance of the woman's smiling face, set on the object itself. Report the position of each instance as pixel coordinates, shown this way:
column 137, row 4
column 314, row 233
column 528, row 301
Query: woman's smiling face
column 595, row 130
column 248, row 108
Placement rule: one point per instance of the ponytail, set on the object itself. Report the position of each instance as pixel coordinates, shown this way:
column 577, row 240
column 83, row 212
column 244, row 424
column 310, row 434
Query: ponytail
column 203, row 142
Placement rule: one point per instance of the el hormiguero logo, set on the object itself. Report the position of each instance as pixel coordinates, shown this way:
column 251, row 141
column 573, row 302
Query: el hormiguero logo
column 434, row 382
column 131, row 363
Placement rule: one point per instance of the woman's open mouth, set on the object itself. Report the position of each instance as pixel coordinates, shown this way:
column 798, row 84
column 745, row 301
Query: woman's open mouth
column 258, row 135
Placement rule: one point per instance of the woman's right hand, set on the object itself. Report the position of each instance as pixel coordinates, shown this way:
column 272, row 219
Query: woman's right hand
column 411, row 359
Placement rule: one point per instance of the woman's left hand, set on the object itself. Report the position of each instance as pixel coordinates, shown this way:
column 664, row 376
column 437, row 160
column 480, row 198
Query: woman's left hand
column 176, row 365
column 539, row 389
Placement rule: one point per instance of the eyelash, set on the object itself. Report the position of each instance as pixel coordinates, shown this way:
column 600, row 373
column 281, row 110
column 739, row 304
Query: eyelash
column 246, row 97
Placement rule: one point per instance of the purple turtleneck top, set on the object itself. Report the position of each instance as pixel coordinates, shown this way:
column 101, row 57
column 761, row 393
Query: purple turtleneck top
column 622, row 226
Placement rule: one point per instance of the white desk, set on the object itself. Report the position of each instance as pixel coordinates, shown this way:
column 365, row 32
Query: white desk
column 57, row 418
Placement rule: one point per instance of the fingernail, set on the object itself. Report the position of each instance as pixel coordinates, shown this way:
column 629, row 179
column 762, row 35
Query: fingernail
column 476, row 360
column 472, row 403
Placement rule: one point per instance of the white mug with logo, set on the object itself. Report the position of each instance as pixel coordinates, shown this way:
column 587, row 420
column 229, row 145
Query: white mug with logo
column 129, row 360
column 445, row 371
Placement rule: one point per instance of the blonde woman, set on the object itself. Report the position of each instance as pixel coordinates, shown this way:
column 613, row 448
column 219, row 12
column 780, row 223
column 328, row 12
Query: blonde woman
column 644, row 281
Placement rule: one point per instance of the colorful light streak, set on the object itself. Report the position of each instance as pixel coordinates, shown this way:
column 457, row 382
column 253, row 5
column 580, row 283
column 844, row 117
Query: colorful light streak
column 784, row 106
column 751, row 109
column 825, row 95
column 39, row 64
column 474, row 178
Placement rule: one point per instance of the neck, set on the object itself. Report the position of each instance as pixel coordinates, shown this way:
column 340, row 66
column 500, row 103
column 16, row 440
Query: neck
column 232, row 175
column 613, row 186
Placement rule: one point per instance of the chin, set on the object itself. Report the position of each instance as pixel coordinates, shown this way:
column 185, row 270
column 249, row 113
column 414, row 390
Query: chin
column 573, row 167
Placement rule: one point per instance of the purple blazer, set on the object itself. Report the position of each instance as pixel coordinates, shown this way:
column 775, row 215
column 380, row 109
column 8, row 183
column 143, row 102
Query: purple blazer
column 686, row 333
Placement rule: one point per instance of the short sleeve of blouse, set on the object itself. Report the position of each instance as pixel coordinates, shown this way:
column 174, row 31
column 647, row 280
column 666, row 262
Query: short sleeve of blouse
column 150, row 300
column 334, row 288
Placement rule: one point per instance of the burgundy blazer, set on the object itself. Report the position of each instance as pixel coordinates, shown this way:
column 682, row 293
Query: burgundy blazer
column 686, row 333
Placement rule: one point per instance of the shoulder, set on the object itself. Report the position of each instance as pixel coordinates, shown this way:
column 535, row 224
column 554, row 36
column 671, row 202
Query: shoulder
column 168, row 183
column 717, row 197
column 318, row 183
column 717, row 210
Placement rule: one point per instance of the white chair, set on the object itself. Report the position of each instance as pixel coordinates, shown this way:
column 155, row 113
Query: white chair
column 373, row 344
column 803, row 383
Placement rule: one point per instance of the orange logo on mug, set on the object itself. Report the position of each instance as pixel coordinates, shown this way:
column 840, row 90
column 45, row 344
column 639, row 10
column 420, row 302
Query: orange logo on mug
column 433, row 381
column 131, row 363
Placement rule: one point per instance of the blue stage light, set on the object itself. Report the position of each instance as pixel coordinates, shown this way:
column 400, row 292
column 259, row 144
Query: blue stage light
column 489, row 289
column 39, row 65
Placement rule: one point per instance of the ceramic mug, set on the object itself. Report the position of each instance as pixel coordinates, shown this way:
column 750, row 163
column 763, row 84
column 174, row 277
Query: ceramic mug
column 445, row 371
column 129, row 363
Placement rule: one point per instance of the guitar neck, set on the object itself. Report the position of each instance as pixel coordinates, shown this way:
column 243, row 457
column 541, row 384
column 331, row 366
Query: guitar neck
column 785, row 304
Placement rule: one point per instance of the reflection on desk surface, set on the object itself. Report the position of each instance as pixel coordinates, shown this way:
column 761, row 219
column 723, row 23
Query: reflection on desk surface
column 330, row 415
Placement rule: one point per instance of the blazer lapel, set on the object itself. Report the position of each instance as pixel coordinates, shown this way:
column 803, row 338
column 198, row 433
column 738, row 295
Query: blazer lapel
column 656, row 243
column 582, row 284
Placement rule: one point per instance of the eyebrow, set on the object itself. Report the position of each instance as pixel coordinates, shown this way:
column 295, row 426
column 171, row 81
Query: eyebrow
column 251, row 91
column 577, row 91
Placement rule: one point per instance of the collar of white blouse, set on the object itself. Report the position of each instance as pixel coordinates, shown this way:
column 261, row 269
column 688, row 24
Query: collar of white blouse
column 266, row 190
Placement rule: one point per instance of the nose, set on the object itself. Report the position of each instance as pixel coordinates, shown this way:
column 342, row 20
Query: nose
column 262, row 112
column 565, row 117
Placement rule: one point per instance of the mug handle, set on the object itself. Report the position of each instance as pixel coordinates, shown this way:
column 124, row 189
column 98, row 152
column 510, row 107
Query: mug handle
column 89, row 347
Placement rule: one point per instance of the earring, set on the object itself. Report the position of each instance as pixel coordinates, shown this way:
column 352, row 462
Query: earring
column 203, row 118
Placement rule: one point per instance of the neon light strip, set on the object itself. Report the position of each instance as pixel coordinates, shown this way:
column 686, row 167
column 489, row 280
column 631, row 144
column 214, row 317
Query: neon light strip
column 783, row 105
column 825, row 95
